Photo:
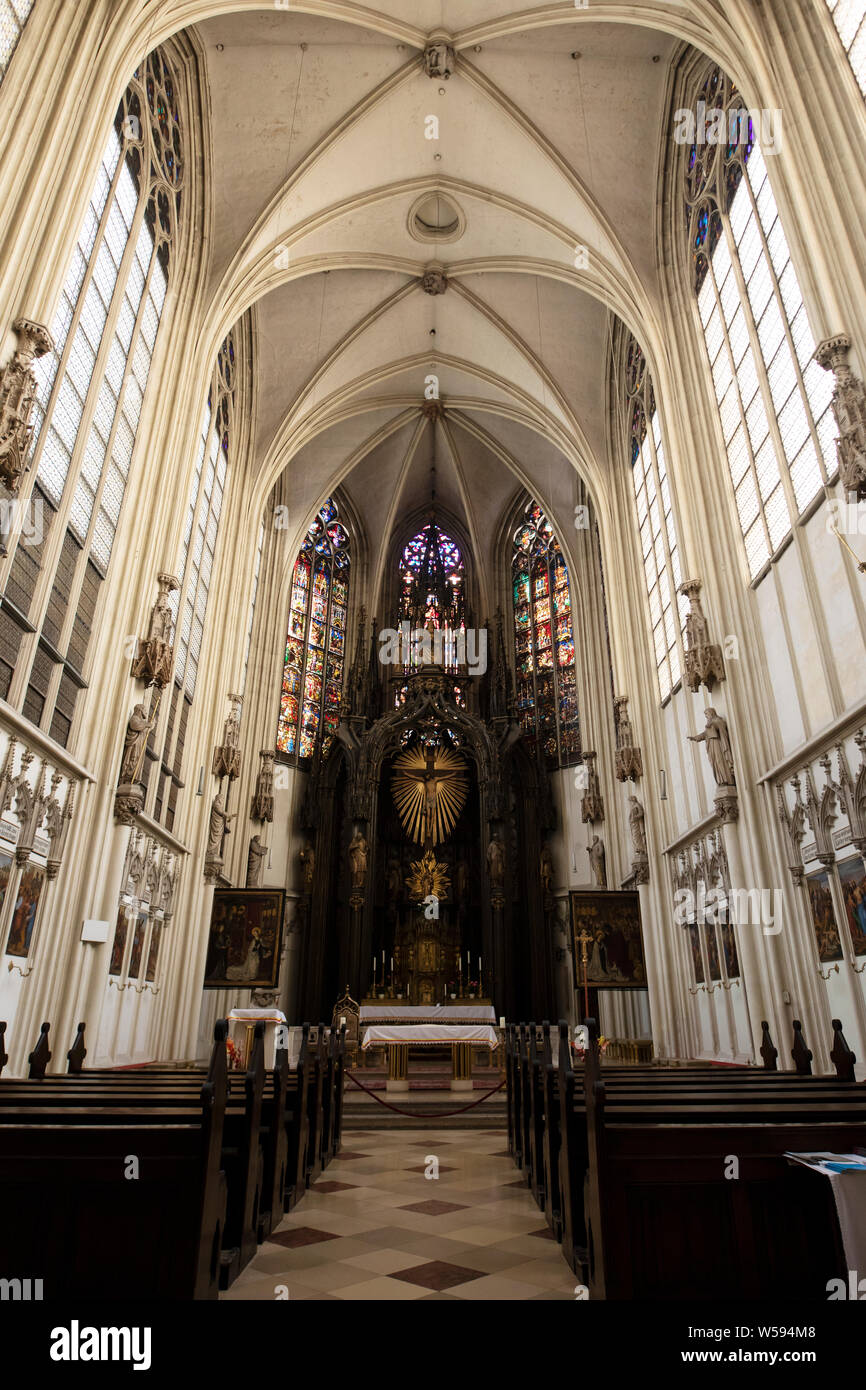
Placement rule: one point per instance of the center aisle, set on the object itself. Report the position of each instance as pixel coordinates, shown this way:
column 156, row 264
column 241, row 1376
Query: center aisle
column 374, row 1227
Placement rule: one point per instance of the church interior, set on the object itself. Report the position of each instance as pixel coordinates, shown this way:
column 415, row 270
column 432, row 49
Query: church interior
column 432, row 637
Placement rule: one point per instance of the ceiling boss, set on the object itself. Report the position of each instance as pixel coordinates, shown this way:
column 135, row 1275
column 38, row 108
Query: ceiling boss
column 429, row 790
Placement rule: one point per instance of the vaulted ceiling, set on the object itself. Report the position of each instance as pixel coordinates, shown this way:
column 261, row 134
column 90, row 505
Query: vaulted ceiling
column 547, row 142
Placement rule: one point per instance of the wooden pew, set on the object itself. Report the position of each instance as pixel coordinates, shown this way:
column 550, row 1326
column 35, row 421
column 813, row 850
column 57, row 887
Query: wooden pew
column 99, row 1233
column 551, row 1134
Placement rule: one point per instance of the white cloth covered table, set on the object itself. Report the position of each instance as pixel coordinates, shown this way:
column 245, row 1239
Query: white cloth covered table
column 482, row 1035
column 427, row 1013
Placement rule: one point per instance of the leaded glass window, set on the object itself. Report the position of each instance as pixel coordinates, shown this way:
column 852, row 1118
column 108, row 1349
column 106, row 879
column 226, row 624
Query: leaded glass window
column 544, row 640
column 13, row 16
column 316, row 638
column 90, row 390
column 773, row 399
column 849, row 16
column 195, row 567
column 655, row 518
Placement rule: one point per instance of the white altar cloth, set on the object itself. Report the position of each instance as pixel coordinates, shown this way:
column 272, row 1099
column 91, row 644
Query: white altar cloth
column 431, row 1033
column 385, row 1011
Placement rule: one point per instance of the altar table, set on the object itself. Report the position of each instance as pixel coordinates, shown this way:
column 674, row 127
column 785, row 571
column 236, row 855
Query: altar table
column 462, row 1037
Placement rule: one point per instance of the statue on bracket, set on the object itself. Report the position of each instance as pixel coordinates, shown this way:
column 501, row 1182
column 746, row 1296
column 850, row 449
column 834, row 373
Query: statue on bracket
column 637, row 826
column 129, row 797
column 227, row 755
column 597, row 861
column 217, row 831
column 849, row 409
column 628, row 766
column 17, row 394
column 358, row 861
column 545, row 866
column 154, row 658
column 263, row 798
column 307, row 856
column 256, row 854
column 718, row 745
column 496, row 870
column 704, row 663
column 592, row 804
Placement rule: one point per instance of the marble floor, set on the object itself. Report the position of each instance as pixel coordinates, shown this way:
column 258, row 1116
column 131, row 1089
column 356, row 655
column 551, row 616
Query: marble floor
column 376, row 1227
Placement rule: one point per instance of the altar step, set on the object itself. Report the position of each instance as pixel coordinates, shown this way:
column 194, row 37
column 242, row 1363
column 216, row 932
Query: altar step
column 429, row 1096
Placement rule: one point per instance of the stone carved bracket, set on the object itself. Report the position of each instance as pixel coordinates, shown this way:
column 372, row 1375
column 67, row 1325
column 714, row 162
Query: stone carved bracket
column 628, row 766
column 849, row 409
column 154, row 658
column 227, row 755
column 17, row 394
column 704, row 663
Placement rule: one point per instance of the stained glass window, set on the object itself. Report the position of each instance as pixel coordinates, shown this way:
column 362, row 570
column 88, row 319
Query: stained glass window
column 316, row 638
column 773, row 399
column 13, row 16
column 655, row 518
column 86, row 422
column 544, row 640
column 849, row 16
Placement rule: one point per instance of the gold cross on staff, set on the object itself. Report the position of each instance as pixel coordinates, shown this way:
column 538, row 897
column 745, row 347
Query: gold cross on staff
column 584, row 940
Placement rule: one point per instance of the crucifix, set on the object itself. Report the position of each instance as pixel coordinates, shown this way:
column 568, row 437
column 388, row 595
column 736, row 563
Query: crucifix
column 584, row 938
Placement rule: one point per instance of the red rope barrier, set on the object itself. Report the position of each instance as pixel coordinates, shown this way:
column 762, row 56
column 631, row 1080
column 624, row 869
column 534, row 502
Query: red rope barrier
column 413, row 1114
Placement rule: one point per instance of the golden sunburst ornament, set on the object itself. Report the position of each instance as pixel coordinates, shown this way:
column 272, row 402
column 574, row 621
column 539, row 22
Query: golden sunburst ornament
column 428, row 878
column 429, row 789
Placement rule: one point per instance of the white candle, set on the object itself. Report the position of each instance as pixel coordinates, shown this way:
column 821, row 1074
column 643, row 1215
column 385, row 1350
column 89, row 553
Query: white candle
column 392, row 965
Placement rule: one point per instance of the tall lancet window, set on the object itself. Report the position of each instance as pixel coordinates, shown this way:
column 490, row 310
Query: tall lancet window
column 655, row 519
column 316, row 638
column 13, row 16
column 774, row 401
column 194, row 569
column 89, row 400
column 849, row 16
column 544, row 640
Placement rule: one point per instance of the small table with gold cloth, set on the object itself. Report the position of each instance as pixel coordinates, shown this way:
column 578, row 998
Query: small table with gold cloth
column 462, row 1037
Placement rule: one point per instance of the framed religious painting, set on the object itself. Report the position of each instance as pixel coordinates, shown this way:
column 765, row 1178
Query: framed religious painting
column 824, row 918
column 26, row 908
column 138, row 934
column 118, row 946
column 852, row 878
column 245, row 936
column 153, row 951
column 697, row 954
column 606, row 927
column 5, row 872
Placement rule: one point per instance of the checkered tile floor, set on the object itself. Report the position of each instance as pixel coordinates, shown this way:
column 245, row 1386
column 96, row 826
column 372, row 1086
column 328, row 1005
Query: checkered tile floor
column 374, row 1227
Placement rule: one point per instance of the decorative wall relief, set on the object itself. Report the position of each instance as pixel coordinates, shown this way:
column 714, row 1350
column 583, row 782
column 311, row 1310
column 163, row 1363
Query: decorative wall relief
column 629, row 762
column 154, row 659
column 849, row 408
column 145, row 909
column 703, row 659
column 794, row 826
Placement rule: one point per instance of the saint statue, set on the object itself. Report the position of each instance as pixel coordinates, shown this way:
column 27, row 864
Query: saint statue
column 137, row 731
column 719, row 750
column 545, row 866
column 392, row 880
column 219, row 826
column 637, row 827
column 496, row 862
column 597, row 861
column 307, row 857
column 358, row 860
column 257, row 852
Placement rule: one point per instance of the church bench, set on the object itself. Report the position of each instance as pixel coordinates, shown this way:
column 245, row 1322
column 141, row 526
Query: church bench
column 100, row 1232
column 248, row 1154
column 720, row 1106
